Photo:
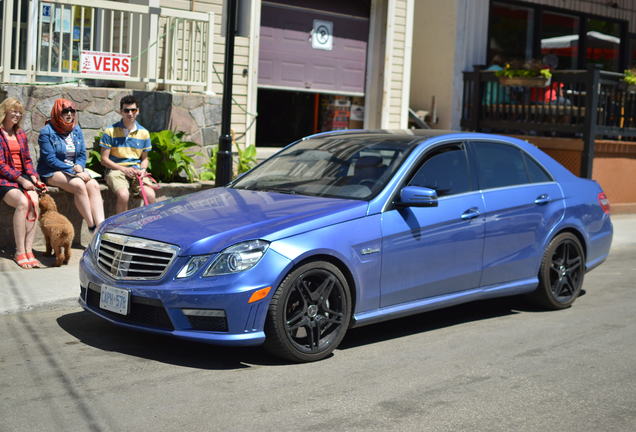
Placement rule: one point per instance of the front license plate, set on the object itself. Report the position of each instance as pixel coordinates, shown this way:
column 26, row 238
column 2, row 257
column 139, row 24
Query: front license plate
column 114, row 299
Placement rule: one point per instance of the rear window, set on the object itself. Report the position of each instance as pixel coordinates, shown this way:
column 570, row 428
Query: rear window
column 501, row 165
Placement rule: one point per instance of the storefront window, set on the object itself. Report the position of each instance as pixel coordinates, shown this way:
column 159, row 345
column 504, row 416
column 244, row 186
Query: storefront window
column 603, row 44
column 511, row 31
column 631, row 61
column 524, row 31
column 560, row 37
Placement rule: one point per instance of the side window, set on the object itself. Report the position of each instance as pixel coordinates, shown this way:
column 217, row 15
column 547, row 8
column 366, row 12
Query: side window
column 445, row 170
column 536, row 173
column 499, row 165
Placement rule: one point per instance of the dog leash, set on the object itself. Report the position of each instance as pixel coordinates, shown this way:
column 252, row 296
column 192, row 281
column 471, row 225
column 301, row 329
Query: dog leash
column 41, row 189
column 30, row 208
column 140, row 178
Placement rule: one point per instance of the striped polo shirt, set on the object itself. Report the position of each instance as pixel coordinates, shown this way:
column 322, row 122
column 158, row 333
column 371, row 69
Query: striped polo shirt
column 126, row 149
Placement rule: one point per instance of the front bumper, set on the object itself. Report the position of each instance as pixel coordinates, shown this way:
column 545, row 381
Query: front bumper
column 158, row 306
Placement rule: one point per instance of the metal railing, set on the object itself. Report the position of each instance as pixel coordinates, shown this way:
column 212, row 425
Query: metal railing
column 69, row 40
column 589, row 104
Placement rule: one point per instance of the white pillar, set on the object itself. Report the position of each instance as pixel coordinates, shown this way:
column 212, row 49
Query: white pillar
column 7, row 35
column 153, row 51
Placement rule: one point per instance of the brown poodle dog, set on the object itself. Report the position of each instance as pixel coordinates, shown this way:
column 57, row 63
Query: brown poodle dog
column 57, row 229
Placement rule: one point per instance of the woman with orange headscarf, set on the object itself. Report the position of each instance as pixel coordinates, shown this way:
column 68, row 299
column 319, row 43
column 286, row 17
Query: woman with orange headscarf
column 63, row 158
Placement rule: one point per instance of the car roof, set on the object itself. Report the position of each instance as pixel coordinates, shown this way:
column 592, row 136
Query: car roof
column 412, row 137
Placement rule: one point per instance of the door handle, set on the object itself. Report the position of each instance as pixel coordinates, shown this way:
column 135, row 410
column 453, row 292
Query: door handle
column 542, row 199
column 471, row 213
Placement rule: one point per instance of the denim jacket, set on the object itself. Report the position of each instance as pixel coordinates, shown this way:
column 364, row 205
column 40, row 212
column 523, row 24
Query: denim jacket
column 53, row 151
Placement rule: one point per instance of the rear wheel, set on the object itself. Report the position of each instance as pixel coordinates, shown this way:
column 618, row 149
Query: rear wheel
column 561, row 274
column 309, row 313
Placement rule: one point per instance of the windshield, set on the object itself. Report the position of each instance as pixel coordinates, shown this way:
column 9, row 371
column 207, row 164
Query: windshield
column 336, row 167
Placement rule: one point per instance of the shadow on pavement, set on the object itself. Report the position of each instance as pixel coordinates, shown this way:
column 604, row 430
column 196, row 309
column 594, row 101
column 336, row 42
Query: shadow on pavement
column 434, row 320
column 98, row 333
column 101, row 334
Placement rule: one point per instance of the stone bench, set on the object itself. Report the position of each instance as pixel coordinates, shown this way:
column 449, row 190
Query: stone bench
column 66, row 206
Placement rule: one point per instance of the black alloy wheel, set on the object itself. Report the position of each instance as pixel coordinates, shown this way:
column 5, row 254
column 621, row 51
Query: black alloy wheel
column 562, row 272
column 309, row 313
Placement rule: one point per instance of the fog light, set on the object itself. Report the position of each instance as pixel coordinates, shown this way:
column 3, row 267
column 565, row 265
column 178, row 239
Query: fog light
column 206, row 319
column 204, row 312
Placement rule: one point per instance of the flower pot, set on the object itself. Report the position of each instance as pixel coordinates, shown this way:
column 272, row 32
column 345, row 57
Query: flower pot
column 525, row 81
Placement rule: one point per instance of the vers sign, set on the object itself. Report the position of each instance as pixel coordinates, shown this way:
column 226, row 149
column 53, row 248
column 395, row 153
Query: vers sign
column 104, row 63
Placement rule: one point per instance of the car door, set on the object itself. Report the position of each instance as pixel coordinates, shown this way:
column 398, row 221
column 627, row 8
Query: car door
column 522, row 205
column 432, row 251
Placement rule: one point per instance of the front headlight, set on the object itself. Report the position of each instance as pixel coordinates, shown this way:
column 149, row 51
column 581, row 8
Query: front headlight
column 238, row 258
column 192, row 266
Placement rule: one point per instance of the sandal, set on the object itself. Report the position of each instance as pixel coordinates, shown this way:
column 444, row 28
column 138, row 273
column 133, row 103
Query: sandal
column 33, row 261
column 23, row 261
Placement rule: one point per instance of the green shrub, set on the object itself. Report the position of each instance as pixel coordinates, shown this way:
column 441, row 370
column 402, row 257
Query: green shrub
column 246, row 158
column 94, row 157
column 171, row 158
column 208, row 171
column 244, row 161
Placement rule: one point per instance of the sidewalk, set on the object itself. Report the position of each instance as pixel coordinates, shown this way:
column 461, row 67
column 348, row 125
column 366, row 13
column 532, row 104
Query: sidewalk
column 24, row 289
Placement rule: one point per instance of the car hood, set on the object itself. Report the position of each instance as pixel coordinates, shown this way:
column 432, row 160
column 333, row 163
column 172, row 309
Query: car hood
column 209, row 221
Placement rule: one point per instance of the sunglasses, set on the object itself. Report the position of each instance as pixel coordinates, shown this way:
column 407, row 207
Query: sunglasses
column 68, row 110
column 129, row 110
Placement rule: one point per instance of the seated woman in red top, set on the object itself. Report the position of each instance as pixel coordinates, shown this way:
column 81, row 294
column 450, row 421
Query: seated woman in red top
column 18, row 181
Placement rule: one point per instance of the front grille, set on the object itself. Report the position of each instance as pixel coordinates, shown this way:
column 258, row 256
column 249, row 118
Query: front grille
column 144, row 311
column 132, row 258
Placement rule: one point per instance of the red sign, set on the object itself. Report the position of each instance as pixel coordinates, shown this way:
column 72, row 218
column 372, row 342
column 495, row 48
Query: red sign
column 104, row 63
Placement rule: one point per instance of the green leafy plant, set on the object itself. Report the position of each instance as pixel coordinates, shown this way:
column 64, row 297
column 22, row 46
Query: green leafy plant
column 94, row 161
column 171, row 157
column 208, row 171
column 630, row 76
column 244, row 161
column 94, row 157
column 246, row 157
column 529, row 69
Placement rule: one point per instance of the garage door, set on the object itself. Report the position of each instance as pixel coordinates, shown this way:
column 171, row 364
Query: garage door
column 303, row 48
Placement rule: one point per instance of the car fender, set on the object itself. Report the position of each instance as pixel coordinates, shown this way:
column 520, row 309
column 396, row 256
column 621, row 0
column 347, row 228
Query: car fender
column 356, row 244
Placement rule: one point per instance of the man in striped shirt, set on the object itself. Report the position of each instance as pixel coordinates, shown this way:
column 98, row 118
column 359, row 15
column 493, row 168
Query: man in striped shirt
column 124, row 148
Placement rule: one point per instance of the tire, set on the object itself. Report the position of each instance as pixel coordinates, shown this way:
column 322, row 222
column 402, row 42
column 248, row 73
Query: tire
column 561, row 274
column 309, row 313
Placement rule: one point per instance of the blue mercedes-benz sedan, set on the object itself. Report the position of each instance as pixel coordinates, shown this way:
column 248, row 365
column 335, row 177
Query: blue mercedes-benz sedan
column 344, row 229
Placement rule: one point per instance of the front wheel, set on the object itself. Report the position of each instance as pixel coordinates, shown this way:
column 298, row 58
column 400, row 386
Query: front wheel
column 561, row 274
column 309, row 313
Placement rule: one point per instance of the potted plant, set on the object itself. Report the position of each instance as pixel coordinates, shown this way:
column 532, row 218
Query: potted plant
column 529, row 74
column 630, row 80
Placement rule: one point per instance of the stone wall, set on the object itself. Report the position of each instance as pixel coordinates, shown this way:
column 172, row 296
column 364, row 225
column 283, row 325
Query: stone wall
column 198, row 115
column 65, row 206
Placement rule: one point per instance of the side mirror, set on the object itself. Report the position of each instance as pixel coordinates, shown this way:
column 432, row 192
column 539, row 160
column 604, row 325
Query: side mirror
column 415, row 196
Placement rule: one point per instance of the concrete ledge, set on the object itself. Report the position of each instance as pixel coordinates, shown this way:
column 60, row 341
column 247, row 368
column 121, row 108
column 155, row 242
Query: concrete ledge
column 66, row 206
column 622, row 208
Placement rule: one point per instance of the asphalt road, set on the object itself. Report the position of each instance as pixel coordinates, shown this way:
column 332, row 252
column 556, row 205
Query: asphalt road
column 487, row 366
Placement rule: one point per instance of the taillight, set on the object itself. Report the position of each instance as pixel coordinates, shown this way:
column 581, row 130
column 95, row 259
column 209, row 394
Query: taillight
column 604, row 202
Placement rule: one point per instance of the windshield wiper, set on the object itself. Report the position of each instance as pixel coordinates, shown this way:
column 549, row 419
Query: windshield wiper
column 273, row 189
